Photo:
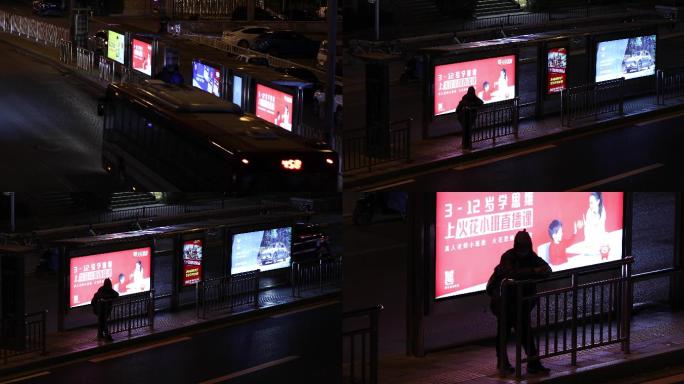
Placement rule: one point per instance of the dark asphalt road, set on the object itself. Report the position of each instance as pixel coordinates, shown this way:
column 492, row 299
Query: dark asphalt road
column 51, row 135
column 646, row 156
column 294, row 347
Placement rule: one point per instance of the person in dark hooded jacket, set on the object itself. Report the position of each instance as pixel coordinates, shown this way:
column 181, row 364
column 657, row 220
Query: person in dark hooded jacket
column 466, row 112
column 102, row 305
column 518, row 263
column 470, row 99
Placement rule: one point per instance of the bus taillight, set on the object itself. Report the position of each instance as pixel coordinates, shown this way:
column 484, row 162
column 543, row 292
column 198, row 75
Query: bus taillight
column 292, row 164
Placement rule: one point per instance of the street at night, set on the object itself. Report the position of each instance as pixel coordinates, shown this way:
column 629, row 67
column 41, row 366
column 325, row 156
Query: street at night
column 642, row 156
column 301, row 344
column 52, row 136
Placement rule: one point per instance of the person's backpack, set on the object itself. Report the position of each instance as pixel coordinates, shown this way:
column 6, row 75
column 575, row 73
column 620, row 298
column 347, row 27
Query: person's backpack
column 95, row 302
column 494, row 283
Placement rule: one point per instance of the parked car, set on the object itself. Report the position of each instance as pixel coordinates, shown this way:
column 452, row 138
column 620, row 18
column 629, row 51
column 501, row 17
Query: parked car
column 48, row 7
column 274, row 253
column 286, row 43
column 253, row 59
column 244, row 36
column 240, row 13
column 98, row 42
column 637, row 62
column 309, row 242
column 319, row 103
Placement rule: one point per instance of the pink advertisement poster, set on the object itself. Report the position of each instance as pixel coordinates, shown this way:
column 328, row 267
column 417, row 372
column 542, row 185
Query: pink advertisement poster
column 274, row 106
column 142, row 57
column 493, row 79
column 129, row 271
column 568, row 230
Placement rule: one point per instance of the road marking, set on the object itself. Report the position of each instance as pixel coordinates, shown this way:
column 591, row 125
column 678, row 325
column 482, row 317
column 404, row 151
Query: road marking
column 251, row 370
column 304, row 309
column 667, row 380
column 616, row 177
column 389, row 185
column 136, row 350
column 26, row 377
column 669, row 117
column 509, row 156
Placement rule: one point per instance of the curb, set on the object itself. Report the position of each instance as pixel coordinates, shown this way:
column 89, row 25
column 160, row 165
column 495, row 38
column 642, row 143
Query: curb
column 606, row 124
column 611, row 371
column 259, row 313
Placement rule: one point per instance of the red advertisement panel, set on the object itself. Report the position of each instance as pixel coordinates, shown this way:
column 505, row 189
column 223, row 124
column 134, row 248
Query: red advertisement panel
column 142, row 57
column 192, row 262
column 493, row 79
column 129, row 271
column 274, row 106
column 568, row 230
column 557, row 64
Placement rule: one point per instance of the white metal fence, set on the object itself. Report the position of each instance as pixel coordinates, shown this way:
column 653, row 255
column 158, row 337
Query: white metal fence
column 85, row 59
column 40, row 31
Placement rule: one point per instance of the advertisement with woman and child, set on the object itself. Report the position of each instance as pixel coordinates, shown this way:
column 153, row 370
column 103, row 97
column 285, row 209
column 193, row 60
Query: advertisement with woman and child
column 493, row 79
column 129, row 271
column 568, row 230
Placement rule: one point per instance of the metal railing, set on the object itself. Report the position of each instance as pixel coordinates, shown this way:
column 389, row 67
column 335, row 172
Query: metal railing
column 568, row 319
column 592, row 100
column 208, row 8
column 490, row 121
column 228, row 292
column 39, row 31
column 85, row 59
column 106, row 69
column 360, row 346
column 26, row 335
column 669, row 84
column 66, row 51
column 130, row 312
column 315, row 274
column 363, row 148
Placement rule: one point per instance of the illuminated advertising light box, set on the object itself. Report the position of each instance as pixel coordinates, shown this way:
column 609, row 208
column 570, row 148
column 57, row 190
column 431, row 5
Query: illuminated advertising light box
column 568, row 230
column 556, row 70
column 237, row 90
column 141, row 57
column 129, row 271
column 629, row 58
column 493, row 79
column 116, row 46
column 265, row 250
column 206, row 78
column 274, row 106
column 192, row 262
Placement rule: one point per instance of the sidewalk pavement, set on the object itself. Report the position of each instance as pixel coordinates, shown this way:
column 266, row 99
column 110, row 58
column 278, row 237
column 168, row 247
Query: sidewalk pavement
column 657, row 340
column 81, row 342
column 429, row 153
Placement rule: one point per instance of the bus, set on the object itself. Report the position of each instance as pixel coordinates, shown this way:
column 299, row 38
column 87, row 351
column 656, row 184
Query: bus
column 159, row 135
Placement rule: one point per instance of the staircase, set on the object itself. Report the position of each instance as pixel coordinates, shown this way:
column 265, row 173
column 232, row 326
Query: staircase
column 417, row 11
column 121, row 200
column 485, row 8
